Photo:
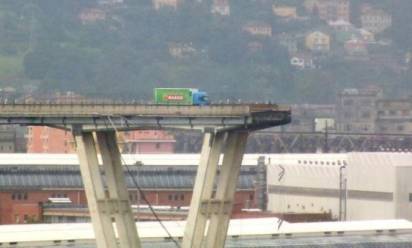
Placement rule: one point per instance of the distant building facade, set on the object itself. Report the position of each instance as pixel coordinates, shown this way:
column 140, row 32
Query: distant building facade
column 290, row 41
column 318, row 41
column 148, row 141
column 24, row 200
column 221, row 7
column 341, row 25
column 258, row 29
column 284, row 11
column 181, row 50
column 42, row 139
column 92, row 15
column 356, row 110
column 394, row 116
column 330, row 10
column 375, row 20
column 302, row 61
column 8, row 139
column 356, row 47
column 51, row 140
column 378, row 185
column 158, row 4
column 109, row 2
column 306, row 117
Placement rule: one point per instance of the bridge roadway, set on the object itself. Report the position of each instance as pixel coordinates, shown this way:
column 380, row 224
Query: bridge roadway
column 94, row 126
column 94, row 116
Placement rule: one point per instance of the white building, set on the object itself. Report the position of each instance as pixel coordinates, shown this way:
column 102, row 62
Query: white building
column 221, row 7
column 378, row 184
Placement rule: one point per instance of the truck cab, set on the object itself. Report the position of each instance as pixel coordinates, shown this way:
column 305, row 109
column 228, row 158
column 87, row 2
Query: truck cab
column 200, row 98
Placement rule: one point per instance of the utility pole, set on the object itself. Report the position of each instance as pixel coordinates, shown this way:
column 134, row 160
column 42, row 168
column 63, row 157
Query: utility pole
column 343, row 193
column 326, row 144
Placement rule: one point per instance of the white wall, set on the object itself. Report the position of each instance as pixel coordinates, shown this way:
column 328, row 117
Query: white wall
column 303, row 174
column 370, row 210
column 379, row 184
column 403, row 191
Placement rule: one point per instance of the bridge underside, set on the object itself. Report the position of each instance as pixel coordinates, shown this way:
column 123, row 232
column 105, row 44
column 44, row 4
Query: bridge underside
column 126, row 117
column 225, row 127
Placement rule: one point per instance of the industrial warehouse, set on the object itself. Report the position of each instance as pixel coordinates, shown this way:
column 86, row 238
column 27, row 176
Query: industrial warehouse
column 33, row 187
column 31, row 182
column 357, row 186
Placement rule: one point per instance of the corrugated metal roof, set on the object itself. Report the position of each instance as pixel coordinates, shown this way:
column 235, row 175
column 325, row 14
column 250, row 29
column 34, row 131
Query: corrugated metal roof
column 147, row 177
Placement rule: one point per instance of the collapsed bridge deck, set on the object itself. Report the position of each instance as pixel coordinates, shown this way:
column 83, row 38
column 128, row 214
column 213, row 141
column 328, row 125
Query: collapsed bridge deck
column 137, row 116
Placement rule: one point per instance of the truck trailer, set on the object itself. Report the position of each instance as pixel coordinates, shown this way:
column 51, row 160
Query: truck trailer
column 180, row 96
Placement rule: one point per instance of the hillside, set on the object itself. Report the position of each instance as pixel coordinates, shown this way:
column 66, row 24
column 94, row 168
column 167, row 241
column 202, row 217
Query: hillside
column 124, row 50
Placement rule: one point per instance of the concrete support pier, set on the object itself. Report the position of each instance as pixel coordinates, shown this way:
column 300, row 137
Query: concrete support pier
column 110, row 209
column 206, row 207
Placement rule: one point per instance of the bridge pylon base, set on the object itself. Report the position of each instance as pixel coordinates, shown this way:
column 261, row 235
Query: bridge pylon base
column 211, row 208
column 110, row 209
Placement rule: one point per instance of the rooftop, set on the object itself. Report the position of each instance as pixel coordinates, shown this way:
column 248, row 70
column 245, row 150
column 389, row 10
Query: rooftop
column 149, row 177
column 263, row 232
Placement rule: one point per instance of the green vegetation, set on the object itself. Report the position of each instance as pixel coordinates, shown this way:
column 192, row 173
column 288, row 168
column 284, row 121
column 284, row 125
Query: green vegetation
column 126, row 55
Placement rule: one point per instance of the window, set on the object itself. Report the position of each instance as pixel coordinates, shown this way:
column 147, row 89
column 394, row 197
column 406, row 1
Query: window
column 176, row 197
column 410, row 197
column 182, row 197
column 366, row 102
column 170, row 197
column 348, row 102
column 366, row 115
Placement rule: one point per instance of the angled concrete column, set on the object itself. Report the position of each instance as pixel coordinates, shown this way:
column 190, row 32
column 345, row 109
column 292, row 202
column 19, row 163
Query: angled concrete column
column 93, row 185
column 226, row 187
column 118, row 193
column 203, row 188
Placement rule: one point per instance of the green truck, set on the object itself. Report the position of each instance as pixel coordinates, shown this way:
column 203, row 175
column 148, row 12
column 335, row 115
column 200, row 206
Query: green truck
column 180, row 96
